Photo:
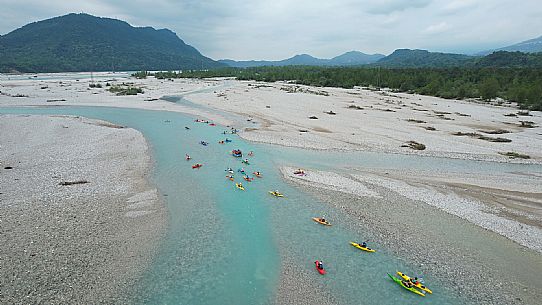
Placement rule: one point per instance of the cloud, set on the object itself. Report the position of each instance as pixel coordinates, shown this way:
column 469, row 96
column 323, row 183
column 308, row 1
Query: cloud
column 459, row 5
column 390, row 6
column 437, row 28
column 276, row 29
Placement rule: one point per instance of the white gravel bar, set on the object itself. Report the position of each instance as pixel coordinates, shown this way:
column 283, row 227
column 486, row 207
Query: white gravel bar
column 84, row 242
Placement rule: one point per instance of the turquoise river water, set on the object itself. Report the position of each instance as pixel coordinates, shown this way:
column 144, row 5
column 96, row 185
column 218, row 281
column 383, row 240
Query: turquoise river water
column 222, row 244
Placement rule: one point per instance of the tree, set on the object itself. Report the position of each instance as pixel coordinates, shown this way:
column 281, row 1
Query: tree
column 489, row 88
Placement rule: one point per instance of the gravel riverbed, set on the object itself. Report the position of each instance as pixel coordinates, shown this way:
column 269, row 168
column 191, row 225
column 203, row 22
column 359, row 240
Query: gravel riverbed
column 78, row 218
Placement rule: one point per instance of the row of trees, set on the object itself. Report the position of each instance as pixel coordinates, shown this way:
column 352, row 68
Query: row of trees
column 521, row 85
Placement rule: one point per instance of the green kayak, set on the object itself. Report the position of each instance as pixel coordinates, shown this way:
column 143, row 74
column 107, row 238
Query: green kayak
column 412, row 289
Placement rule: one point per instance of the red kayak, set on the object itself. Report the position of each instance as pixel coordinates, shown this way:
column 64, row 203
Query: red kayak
column 322, row 271
column 197, row 165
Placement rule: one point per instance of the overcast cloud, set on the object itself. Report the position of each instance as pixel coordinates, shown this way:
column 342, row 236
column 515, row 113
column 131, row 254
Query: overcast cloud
column 277, row 29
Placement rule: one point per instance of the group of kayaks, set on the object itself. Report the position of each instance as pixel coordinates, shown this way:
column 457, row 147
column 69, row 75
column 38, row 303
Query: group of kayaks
column 411, row 284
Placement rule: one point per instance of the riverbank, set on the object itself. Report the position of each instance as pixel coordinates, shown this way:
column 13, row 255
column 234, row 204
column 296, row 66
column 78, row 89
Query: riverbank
column 80, row 221
column 316, row 118
column 432, row 228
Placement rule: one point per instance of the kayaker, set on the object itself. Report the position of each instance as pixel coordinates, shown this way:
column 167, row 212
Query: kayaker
column 323, row 219
column 320, row 265
column 364, row 244
column 407, row 284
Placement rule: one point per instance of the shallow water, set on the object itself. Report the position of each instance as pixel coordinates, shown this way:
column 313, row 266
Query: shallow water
column 222, row 243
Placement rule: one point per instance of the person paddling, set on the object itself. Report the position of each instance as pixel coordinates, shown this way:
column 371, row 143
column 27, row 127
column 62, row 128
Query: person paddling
column 320, row 265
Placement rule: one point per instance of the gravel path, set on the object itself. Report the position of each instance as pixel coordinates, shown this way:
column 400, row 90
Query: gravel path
column 84, row 242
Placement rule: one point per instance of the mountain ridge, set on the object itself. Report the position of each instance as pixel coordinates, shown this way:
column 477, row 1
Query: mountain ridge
column 351, row 58
column 527, row 46
column 82, row 42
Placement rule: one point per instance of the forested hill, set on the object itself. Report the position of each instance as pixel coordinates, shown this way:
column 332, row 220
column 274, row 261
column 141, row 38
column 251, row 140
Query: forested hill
column 81, row 42
column 423, row 58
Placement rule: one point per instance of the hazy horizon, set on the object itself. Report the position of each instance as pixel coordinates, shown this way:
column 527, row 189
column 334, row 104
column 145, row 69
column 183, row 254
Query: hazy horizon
column 277, row 30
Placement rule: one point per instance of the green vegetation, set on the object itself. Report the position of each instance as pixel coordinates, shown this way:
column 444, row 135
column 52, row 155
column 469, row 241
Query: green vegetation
column 81, row 42
column 141, row 74
column 514, row 155
column 521, row 85
column 481, row 137
column 125, row 90
column 414, row 145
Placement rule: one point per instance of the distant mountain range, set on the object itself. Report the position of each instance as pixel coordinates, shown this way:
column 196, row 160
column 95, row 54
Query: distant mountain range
column 352, row 58
column 81, row 42
column 528, row 46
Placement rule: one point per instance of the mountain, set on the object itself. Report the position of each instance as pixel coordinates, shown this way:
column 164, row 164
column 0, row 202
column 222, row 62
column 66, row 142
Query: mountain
column 423, row 59
column 503, row 59
column 352, row 58
column 355, row 58
column 528, row 46
column 81, row 42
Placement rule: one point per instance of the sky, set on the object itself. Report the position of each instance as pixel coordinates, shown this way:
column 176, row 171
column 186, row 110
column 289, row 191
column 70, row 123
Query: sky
column 278, row 29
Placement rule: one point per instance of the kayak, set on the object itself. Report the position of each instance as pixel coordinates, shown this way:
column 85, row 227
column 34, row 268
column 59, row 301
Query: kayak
column 257, row 174
column 230, row 177
column 276, row 194
column 411, row 289
column 362, row 247
column 239, row 186
column 247, row 178
column 197, row 165
column 321, row 271
column 418, row 285
column 325, row 223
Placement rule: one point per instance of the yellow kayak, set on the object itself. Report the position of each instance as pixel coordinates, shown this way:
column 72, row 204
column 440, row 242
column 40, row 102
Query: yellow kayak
column 361, row 247
column 276, row 194
column 411, row 289
column 417, row 285
column 319, row 220
column 240, row 186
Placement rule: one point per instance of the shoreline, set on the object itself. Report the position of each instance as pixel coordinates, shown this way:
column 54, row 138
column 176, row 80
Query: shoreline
column 75, row 211
column 482, row 213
